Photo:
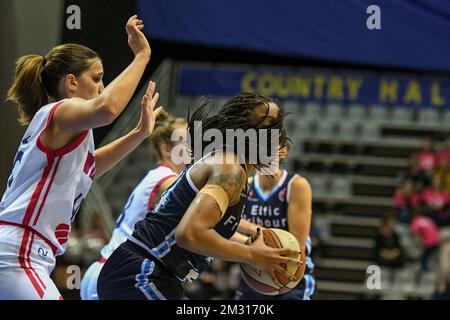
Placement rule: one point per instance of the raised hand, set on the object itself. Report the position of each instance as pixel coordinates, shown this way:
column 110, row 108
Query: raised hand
column 136, row 39
column 148, row 114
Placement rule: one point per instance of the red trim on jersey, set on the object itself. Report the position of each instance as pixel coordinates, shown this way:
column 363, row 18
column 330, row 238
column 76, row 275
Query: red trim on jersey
column 23, row 265
column 101, row 260
column 37, row 193
column 155, row 188
column 29, row 229
column 46, row 192
column 28, row 261
column 59, row 152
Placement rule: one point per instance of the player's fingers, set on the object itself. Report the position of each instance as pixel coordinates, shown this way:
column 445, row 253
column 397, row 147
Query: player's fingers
column 288, row 252
column 283, row 272
column 130, row 22
column 289, row 260
column 274, row 278
column 144, row 101
column 158, row 111
column 150, row 89
column 154, row 100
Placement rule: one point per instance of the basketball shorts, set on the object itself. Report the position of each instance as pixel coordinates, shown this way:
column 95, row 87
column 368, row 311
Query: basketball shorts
column 26, row 262
column 128, row 275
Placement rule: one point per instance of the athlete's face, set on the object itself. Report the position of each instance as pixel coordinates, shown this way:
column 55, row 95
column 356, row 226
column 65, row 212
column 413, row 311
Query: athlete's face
column 90, row 82
column 272, row 113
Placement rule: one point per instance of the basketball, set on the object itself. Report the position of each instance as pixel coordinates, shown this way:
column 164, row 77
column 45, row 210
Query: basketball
column 260, row 280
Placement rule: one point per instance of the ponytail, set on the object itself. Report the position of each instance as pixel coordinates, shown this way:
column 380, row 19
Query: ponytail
column 37, row 78
column 27, row 90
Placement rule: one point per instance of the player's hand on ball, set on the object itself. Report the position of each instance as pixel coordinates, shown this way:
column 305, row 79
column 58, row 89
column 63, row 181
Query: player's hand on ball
column 136, row 39
column 270, row 259
column 148, row 114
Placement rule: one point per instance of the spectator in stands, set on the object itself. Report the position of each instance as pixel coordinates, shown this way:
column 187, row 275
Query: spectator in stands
column 414, row 173
column 443, row 172
column 425, row 231
column 436, row 202
column 389, row 252
column 443, row 268
column 427, row 157
column 406, row 199
column 444, row 154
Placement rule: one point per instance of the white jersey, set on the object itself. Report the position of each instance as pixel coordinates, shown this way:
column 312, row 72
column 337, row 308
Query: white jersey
column 137, row 206
column 46, row 188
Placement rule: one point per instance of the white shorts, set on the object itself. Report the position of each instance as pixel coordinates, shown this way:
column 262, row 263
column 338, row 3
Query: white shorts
column 26, row 262
column 88, row 290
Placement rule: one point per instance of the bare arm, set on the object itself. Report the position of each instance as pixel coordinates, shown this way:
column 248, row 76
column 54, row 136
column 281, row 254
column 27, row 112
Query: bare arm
column 76, row 115
column 163, row 187
column 109, row 155
column 300, row 210
column 195, row 231
column 246, row 227
column 239, row 237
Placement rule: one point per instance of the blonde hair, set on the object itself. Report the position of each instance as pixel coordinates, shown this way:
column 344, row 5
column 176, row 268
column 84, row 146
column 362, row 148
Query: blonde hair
column 162, row 133
column 37, row 77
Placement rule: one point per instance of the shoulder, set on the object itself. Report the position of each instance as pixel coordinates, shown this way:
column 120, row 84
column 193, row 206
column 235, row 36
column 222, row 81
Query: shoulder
column 225, row 163
column 299, row 183
column 230, row 176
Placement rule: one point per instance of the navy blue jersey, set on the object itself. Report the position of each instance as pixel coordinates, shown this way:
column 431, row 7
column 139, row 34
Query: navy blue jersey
column 270, row 210
column 156, row 232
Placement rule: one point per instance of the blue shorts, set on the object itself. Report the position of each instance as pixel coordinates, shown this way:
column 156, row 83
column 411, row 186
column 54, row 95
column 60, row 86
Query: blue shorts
column 303, row 291
column 128, row 275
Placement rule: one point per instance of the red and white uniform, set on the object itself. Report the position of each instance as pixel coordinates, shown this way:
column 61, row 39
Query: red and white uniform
column 136, row 208
column 44, row 192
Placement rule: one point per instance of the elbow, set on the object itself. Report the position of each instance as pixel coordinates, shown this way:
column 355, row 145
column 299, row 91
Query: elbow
column 185, row 238
column 107, row 109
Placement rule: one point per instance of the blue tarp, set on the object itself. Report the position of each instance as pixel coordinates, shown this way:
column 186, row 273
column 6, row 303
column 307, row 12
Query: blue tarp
column 414, row 34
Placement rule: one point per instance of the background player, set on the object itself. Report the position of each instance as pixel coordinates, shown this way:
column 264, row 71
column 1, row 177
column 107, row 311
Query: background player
column 61, row 97
column 281, row 201
column 144, row 196
column 198, row 214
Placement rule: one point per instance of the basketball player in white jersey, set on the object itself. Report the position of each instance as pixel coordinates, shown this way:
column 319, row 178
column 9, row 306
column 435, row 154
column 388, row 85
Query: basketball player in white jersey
column 143, row 198
column 61, row 98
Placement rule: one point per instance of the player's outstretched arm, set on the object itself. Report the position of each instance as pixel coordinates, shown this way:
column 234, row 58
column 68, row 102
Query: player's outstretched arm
column 109, row 155
column 76, row 115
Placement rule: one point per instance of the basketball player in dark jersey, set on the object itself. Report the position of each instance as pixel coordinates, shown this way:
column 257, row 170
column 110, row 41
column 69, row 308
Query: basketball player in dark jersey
column 281, row 201
column 199, row 213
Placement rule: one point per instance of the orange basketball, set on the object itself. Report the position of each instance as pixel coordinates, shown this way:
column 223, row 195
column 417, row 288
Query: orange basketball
column 261, row 281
